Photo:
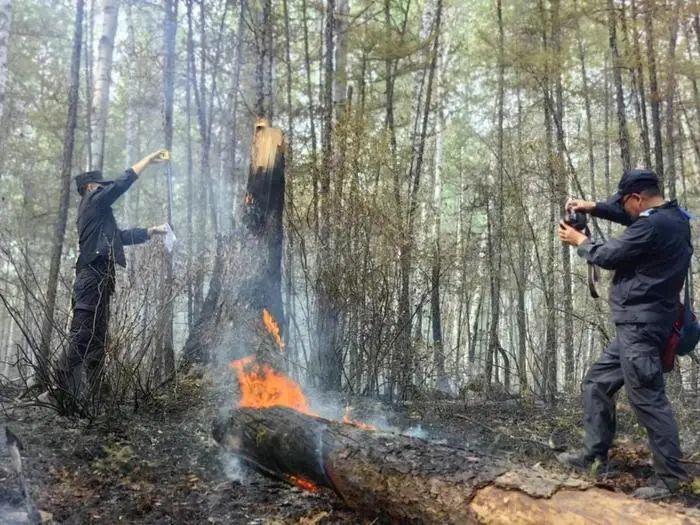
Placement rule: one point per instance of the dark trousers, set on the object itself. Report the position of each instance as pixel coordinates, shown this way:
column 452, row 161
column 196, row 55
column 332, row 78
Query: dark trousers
column 633, row 359
column 92, row 290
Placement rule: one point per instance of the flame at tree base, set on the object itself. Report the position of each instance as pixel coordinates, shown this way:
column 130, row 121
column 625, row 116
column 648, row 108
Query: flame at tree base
column 263, row 387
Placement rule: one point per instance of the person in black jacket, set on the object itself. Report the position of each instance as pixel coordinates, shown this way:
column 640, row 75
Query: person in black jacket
column 650, row 261
column 101, row 245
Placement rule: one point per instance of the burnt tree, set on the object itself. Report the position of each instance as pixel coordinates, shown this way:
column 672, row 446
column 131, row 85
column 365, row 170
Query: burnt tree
column 247, row 274
column 262, row 216
column 411, row 480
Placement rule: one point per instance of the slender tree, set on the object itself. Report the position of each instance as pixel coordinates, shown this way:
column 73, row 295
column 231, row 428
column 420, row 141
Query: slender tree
column 5, row 23
column 654, row 95
column 623, row 134
column 65, row 178
column 103, row 80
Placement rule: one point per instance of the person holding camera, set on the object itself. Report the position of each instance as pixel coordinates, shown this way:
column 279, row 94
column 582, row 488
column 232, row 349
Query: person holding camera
column 101, row 247
column 650, row 261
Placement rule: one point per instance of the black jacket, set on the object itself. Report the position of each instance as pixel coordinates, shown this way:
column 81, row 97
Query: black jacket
column 650, row 260
column 98, row 234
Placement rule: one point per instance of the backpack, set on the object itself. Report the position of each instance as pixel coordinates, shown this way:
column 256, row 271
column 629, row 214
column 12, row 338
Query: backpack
column 685, row 334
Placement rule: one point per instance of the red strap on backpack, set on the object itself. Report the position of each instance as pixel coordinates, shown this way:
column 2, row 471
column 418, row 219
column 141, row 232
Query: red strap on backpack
column 668, row 352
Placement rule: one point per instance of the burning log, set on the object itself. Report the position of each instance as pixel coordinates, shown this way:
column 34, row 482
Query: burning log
column 411, row 480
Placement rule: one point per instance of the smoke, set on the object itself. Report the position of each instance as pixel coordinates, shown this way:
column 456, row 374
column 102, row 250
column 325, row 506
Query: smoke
column 362, row 410
column 233, row 468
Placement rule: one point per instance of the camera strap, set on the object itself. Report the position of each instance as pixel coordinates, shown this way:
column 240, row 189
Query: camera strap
column 593, row 273
column 593, row 276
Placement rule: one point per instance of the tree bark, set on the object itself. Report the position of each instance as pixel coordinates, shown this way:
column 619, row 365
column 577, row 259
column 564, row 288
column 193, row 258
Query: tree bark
column 562, row 194
column 165, row 346
column 103, row 78
column 65, row 177
column 259, row 277
column 496, row 222
column 330, row 359
column 586, row 104
column 405, row 349
column 408, row 480
column 638, row 82
column 654, row 91
column 670, row 103
column 5, row 23
column 623, row 134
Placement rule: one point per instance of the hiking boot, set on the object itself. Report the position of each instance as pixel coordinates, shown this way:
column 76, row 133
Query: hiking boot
column 582, row 460
column 658, row 488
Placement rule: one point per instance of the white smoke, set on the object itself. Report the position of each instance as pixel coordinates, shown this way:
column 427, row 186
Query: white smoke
column 233, row 468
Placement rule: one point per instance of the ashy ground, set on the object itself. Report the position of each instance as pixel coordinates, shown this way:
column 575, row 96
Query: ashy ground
column 161, row 465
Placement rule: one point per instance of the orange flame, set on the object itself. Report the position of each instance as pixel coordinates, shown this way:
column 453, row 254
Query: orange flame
column 303, row 483
column 274, row 329
column 263, row 387
column 358, row 424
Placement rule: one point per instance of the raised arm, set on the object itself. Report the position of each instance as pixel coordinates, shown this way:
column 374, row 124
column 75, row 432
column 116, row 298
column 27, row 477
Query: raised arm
column 107, row 195
column 110, row 193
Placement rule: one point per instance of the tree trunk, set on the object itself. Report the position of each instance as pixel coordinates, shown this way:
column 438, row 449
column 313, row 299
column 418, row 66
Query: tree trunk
column 654, row 91
column 586, row 105
column 562, row 194
column 165, row 346
column 550, row 354
column 65, row 176
column 100, row 93
column 623, row 134
column 312, row 116
column 259, row 277
column 496, row 222
column 5, row 23
column 330, row 359
column 670, row 103
column 263, row 215
column 408, row 480
column 404, row 348
column 638, row 82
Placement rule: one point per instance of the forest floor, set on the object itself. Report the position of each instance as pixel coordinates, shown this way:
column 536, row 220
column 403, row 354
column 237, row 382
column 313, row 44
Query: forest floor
column 161, row 465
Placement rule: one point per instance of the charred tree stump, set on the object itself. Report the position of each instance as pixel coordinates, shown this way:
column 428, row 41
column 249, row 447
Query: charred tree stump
column 255, row 250
column 411, row 480
column 262, row 216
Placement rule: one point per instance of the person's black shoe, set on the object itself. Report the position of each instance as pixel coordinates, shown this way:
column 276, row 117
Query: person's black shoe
column 582, row 460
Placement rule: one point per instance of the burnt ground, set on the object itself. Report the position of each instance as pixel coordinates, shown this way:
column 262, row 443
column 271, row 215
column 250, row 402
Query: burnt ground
column 162, row 466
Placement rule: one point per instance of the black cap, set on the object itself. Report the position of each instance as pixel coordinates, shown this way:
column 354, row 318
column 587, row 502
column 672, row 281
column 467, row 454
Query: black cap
column 634, row 181
column 88, row 177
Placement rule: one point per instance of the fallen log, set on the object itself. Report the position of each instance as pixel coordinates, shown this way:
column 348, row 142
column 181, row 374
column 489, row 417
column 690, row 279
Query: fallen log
column 411, row 480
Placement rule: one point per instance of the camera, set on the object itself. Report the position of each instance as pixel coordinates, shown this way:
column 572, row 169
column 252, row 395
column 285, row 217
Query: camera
column 576, row 220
